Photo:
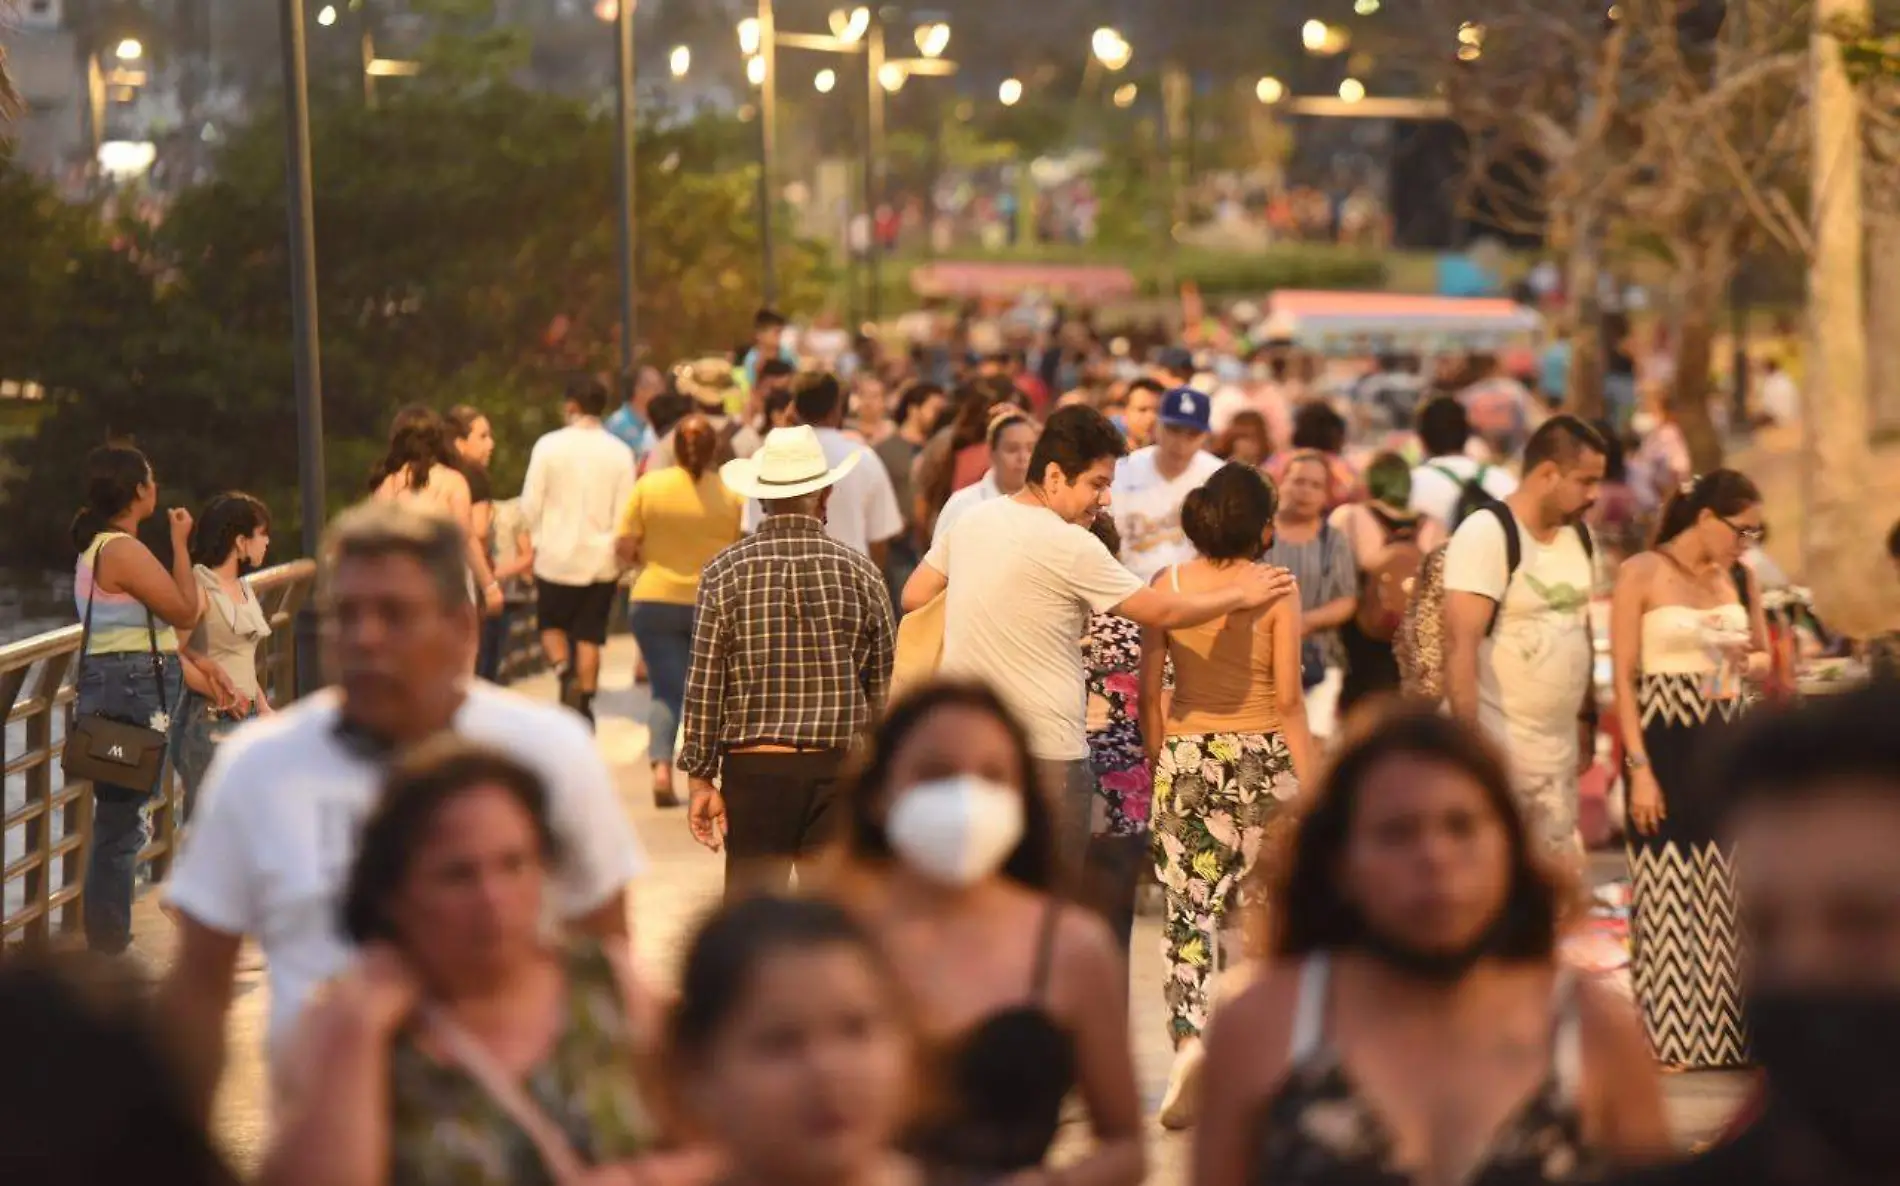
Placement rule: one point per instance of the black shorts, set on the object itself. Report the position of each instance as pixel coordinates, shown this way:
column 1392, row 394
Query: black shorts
column 578, row 611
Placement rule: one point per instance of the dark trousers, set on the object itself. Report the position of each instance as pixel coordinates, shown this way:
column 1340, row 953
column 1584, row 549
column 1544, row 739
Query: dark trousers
column 779, row 813
column 1111, row 881
column 494, row 641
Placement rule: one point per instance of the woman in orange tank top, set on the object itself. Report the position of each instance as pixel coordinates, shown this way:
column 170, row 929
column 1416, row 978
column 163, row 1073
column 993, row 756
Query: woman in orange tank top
column 1230, row 749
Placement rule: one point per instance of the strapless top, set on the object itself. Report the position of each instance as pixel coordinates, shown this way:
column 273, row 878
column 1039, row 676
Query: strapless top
column 1683, row 640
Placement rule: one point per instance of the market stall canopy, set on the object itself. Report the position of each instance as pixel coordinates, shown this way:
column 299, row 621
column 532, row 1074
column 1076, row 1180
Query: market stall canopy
column 1087, row 282
column 1360, row 322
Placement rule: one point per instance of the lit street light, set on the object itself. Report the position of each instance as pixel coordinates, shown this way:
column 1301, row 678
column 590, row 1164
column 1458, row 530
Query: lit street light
column 1269, row 90
column 680, row 60
column 850, row 25
column 1011, row 92
column 755, row 71
column 1365, row 7
column 933, row 39
column 1352, row 90
column 749, row 37
column 326, row 16
column 1126, row 94
column 826, row 80
column 129, row 50
column 1313, row 36
column 1111, row 48
column 892, row 77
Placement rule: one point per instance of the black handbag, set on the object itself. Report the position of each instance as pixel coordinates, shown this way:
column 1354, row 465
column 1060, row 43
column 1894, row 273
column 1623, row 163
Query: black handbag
column 101, row 750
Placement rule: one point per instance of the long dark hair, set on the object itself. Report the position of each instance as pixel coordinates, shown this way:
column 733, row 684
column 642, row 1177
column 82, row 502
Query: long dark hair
column 1033, row 864
column 1310, row 910
column 1725, row 492
column 226, row 519
column 414, row 793
column 114, row 474
column 418, row 442
column 461, row 420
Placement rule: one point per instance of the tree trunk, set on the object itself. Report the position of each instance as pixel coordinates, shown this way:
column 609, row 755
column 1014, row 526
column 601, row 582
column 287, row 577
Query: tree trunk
column 1581, row 283
column 1883, row 263
column 1706, row 269
column 1852, row 582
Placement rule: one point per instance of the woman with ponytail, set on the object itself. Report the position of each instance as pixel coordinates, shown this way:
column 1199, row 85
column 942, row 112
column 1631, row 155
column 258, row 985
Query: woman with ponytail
column 132, row 609
column 677, row 520
column 1687, row 636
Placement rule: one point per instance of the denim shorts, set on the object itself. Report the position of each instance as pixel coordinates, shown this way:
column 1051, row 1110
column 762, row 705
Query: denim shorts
column 119, row 686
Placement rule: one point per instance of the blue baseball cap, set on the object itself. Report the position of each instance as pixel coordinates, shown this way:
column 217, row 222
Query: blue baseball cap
column 1187, row 408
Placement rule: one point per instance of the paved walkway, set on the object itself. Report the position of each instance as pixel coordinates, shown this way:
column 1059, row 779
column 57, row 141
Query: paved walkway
column 684, row 881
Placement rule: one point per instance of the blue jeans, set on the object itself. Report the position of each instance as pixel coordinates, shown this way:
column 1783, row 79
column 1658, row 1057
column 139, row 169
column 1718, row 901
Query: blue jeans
column 664, row 632
column 494, row 641
column 194, row 742
column 120, row 687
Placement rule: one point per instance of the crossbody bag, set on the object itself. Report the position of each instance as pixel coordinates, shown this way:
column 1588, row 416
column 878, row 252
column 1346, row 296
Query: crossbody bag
column 99, row 749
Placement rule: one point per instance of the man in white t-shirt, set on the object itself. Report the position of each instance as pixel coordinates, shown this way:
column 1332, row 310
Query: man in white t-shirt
column 1518, row 653
column 275, row 835
column 1152, row 483
column 1444, row 431
column 863, row 513
column 1021, row 575
column 578, row 483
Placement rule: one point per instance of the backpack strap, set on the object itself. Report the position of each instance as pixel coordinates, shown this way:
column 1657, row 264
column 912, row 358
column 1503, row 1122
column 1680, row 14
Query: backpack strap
column 1513, row 555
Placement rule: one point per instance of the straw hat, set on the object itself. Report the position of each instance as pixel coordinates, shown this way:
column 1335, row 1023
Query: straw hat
column 706, row 381
column 790, row 464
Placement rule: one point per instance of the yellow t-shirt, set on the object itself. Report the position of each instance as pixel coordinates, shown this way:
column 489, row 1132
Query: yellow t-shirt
column 681, row 526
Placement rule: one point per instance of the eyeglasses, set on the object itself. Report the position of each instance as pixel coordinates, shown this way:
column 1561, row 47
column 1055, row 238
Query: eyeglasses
column 1753, row 535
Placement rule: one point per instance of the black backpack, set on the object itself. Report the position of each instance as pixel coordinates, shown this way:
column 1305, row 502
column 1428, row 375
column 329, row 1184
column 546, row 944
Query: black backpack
column 1472, row 496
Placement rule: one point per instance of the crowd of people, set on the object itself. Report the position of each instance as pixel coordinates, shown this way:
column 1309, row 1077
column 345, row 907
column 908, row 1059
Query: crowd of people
column 950, row 673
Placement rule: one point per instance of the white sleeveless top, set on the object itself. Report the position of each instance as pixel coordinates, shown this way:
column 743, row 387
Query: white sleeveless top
column 1682, row 640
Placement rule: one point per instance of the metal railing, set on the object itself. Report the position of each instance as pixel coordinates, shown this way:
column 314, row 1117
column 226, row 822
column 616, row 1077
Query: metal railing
column 46, row 821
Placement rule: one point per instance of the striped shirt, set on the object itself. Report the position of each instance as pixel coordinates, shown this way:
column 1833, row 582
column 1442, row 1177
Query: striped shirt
column 1324, row 566
column 120, row 622
column 792, row 645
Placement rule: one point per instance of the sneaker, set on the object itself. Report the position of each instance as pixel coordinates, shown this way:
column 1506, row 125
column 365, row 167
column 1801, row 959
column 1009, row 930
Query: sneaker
column 1183, row 1097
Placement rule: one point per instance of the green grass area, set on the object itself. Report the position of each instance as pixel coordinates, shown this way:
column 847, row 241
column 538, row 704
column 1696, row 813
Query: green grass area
column 1218, row 273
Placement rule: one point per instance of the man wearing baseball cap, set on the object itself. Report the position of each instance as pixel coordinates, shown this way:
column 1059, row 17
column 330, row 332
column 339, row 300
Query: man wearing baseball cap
column 1152, row 483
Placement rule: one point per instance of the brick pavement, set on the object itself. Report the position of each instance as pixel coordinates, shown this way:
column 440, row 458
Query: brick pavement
column 683, row 881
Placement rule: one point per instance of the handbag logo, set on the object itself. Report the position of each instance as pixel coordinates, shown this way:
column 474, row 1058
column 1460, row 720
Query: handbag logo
column 116, row 753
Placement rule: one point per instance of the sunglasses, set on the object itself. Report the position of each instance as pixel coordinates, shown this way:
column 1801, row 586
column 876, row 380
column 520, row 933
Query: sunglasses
column 1753, row 535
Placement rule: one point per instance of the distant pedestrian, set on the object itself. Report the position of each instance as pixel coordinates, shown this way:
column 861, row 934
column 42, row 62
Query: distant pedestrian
column 792, row 649
column 228, row 542
column 677, row 520
column 130, row 609
column 1519, row 657
column 1151, row 484
column 630, row 422
column 861, row 510
column 420, row 469
column 579, row 479
column 474, row 441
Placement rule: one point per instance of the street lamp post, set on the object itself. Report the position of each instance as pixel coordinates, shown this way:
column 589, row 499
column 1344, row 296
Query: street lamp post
column 873, row 166
column 303, row 317
column 624, row 170
column 768, row 126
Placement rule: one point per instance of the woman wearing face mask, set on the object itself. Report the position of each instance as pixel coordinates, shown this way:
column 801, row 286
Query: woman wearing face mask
column 950, row 854
column 463, row 1047
column 1230, row 750
column 1012, row 438
column 791, row 1052
column 1687, row 635
column 1414, row 1024
column 231, row 538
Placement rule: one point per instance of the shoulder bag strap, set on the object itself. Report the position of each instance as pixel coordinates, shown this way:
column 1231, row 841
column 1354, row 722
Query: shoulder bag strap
column 563, row 1164
column 1513, row 555
column 85, row 628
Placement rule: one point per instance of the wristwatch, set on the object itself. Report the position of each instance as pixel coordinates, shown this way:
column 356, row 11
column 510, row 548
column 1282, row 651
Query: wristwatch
column 1635, row 761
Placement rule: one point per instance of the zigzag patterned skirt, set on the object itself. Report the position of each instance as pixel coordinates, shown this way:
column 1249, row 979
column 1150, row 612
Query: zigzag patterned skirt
column 1682, row 926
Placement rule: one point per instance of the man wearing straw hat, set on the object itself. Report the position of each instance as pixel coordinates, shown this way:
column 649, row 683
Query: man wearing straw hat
column 810, row 616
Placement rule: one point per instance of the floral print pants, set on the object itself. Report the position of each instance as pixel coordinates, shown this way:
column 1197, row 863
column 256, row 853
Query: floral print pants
column 1217, row 797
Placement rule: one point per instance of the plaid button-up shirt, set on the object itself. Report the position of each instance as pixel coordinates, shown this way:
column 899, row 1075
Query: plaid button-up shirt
column 792, row 645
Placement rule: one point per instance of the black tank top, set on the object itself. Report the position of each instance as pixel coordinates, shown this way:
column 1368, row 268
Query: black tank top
column 1316, row 1131
column 1002, row 1083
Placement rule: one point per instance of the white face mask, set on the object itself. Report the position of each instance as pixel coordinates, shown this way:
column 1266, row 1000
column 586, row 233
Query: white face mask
column 956, row 830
